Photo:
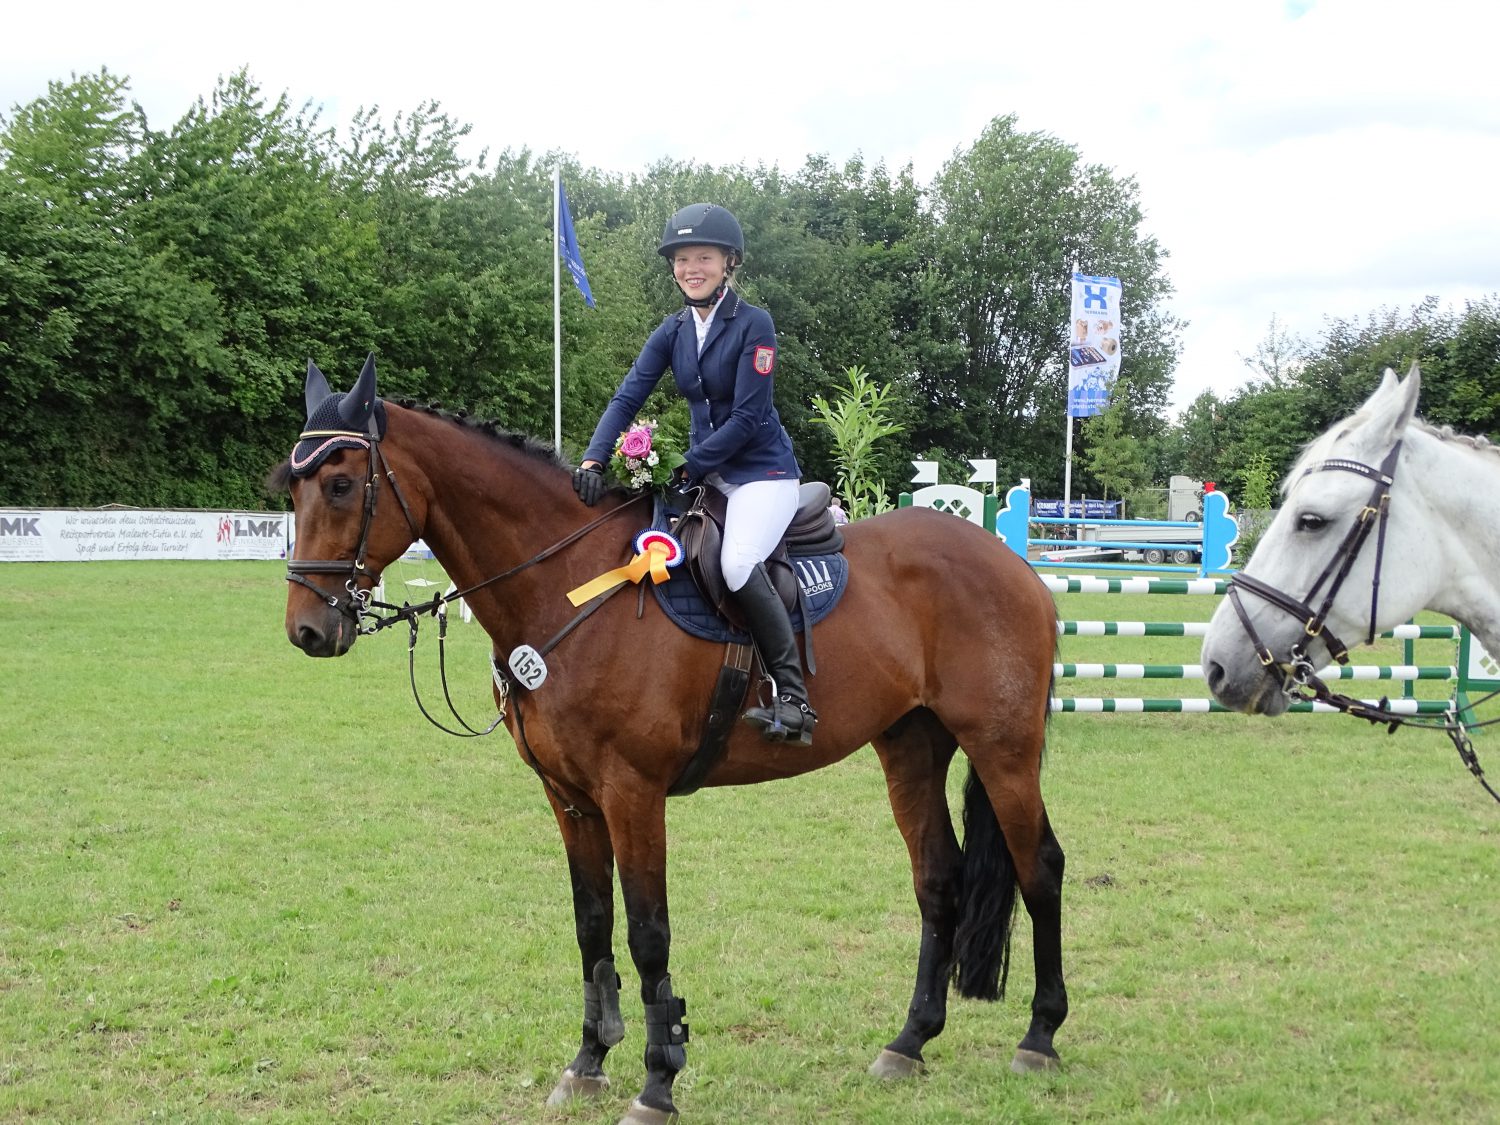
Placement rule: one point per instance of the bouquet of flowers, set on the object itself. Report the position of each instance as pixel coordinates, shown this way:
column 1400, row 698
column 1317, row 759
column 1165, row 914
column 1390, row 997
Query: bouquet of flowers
column 639, row 462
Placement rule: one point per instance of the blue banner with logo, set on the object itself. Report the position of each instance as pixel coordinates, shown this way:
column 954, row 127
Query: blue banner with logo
column 1093, row 344
column 567, row 245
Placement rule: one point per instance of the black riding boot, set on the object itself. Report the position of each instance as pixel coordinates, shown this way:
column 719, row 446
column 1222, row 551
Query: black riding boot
column 789, row 718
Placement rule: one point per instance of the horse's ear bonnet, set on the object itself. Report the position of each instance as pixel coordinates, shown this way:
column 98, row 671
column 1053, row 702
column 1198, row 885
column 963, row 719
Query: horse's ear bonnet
column 337, row 421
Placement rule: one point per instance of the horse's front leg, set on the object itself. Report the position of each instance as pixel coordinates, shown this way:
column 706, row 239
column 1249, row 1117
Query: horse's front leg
column 637, row 819
column 591, row 866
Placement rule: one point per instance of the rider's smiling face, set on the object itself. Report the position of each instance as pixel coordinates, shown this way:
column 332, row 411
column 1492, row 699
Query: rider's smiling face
column 699, row 270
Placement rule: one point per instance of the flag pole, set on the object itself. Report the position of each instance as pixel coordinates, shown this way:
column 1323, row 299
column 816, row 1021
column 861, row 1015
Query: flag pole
column 1068, row 473
column 556, row 313
column 1068, row 410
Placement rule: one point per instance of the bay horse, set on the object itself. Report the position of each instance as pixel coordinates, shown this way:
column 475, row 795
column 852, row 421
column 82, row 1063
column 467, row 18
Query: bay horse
column 944, row 639
column 1393, row 516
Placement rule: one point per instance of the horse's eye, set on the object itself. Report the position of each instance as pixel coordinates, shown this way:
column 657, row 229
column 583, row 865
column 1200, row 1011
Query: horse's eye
column 1307, row 521
column 340, row 486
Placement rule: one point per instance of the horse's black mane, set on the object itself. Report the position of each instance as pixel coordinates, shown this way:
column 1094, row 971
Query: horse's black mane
column 524, row 443
column 278, row 480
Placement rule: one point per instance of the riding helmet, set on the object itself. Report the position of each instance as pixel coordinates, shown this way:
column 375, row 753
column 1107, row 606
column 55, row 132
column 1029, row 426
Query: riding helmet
column 703, row 224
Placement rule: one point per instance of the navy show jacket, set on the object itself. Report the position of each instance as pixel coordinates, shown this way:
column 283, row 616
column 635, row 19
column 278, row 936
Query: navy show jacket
column 736, row 431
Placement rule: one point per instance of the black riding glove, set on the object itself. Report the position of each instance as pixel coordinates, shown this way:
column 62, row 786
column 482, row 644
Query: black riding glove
column 679, row 481
column 589, row 484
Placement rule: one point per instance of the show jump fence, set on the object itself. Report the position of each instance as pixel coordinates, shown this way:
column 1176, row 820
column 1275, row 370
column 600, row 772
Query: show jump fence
column 1405, row 673
column 1471, row 672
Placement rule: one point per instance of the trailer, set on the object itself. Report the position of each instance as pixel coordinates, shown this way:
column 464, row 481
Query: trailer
column 1150, row 541
column 1164, row 546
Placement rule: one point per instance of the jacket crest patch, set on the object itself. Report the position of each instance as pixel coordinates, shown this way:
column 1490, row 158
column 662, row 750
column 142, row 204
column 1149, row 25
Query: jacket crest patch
column 765, row 360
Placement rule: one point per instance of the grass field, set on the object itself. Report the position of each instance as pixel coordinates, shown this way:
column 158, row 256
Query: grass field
column 238, row 884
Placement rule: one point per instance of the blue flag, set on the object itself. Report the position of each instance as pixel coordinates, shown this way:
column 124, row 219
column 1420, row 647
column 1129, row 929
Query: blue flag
column 567, row 246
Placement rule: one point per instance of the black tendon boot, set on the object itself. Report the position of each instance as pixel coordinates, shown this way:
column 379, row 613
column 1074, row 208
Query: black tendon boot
column 788, row 718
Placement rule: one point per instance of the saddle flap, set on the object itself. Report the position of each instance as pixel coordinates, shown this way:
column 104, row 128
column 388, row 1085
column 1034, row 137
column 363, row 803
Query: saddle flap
column 700, row 531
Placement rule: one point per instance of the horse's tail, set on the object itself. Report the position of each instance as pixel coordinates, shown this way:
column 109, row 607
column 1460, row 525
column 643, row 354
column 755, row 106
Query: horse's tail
column 986, row 898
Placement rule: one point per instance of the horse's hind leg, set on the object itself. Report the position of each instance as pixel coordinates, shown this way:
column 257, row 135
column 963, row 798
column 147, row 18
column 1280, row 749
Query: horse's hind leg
column 1042, row 893
column 591, row 866
column 915, row 754
column 1015, row 829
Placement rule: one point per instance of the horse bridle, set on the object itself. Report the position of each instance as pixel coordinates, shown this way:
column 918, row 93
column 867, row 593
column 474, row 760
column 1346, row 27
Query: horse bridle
column 355, row 602
column 1300, row 680
column 1297, row 671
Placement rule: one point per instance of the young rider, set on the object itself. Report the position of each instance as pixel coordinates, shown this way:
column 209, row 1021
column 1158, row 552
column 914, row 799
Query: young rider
column 722, row 353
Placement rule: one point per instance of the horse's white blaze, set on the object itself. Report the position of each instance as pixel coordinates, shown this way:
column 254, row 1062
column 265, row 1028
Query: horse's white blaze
column 1442, row 536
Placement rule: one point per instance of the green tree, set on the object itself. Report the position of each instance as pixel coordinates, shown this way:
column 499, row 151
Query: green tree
column 1016, row 212
column 1306, row 386
column 1461, row 372
column 242, row 208
column 81, row 309
column 1257, row 498
column 1278, row 356
column 1116, row 459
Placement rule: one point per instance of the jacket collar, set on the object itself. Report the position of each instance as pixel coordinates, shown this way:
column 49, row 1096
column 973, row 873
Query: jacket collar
column 728, row 308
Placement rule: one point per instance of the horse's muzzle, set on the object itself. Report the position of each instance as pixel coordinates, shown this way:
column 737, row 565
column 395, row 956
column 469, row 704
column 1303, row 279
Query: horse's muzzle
column 1250, row 688
column 333, row 636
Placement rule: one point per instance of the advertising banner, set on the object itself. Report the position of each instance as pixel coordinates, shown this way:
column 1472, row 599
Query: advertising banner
column 1093, row 344
column 79, row 535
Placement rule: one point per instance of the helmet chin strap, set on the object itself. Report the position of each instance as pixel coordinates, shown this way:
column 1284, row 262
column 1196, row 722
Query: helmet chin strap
column 706, row 302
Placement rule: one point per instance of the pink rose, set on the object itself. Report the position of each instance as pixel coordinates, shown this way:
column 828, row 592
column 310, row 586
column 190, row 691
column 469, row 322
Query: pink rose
column 636, row 442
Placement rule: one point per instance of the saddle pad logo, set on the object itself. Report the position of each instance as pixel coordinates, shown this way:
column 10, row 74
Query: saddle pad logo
column 765, row 360
column 813, row 576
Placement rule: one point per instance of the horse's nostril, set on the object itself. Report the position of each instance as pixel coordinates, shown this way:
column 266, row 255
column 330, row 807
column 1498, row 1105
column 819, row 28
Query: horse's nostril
column 308, row 638
column 1214, row 672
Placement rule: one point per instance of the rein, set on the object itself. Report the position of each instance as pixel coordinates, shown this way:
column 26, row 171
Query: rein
column 1300, row 680
column 372, row 622
column 358, row 606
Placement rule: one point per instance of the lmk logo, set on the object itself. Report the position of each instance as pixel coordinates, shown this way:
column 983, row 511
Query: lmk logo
column 253, row 529
column 21, row 525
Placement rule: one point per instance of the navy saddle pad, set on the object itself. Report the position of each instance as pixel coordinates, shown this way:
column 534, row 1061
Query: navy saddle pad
column 823, row 579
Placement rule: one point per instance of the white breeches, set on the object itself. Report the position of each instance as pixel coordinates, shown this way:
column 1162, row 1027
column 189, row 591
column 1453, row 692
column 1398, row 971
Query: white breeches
column 757, row 518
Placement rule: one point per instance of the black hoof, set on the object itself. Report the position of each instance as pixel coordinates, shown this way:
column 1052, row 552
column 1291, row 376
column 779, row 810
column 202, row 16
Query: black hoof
column 1033, row 1062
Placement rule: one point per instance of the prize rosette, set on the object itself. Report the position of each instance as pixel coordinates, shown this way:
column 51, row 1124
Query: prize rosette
column 651, row 540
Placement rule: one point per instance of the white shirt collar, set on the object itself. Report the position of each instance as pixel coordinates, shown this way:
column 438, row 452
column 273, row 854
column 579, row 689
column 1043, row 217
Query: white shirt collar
column 704, row 323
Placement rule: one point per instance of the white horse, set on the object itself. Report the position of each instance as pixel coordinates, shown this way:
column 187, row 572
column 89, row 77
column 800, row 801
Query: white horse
column 1381, row 517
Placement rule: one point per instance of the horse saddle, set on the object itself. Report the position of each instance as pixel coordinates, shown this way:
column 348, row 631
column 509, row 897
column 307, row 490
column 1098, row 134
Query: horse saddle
column 808, row 570
column 700, row 530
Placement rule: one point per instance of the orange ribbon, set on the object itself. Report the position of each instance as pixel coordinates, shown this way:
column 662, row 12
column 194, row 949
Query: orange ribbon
column 652, row 561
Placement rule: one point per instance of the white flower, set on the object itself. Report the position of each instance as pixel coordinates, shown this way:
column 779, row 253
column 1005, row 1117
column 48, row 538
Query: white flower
column 652, row 459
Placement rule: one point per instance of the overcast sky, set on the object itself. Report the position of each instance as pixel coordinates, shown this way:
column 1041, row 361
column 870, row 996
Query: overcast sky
column 1299, row 158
